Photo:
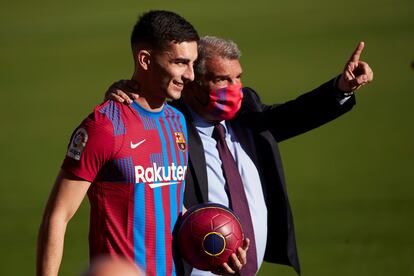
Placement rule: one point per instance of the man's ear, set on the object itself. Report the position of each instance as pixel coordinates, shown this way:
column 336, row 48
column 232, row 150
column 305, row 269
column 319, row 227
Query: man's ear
column 143, row 59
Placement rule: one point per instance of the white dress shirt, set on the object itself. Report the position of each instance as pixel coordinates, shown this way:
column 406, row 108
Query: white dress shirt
column 216, row 182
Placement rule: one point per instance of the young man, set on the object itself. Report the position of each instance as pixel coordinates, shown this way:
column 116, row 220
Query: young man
column 130, row 160
column 252, row 132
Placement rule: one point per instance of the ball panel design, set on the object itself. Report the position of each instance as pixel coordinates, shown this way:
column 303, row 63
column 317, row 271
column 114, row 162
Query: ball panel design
column 214, row 243
column 208, row 235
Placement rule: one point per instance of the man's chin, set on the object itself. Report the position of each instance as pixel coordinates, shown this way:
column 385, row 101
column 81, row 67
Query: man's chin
column 174, row 95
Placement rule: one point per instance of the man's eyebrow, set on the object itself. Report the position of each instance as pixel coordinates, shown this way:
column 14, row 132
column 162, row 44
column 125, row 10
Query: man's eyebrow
column 225, row 75
column 220, row 76
column 184, row 60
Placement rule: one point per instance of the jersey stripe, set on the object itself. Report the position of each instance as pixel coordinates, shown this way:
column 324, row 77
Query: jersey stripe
column 177, row 121
column 170, row 194
column 167, row 231
column 150, row 234
column 174, row 149
column 160, row 250
column 174, row 190
column 139, row 230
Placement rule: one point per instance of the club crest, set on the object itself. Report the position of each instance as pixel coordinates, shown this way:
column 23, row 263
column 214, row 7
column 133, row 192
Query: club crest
column 179, row 139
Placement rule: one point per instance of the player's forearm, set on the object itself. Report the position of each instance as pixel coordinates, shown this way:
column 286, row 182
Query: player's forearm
column 50, row 246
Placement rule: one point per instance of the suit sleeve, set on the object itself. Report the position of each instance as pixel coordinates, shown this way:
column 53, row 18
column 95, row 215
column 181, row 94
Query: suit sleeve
column 297, row 116
column 90, row 147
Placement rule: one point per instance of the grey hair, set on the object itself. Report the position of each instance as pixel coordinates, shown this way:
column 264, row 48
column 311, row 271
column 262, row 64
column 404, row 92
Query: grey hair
column 211, row 46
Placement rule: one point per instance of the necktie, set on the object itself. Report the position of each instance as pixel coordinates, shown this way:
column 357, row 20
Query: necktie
column 238, row 201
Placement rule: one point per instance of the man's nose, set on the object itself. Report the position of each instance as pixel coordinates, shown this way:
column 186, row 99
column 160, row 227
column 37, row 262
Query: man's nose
column 189, row 73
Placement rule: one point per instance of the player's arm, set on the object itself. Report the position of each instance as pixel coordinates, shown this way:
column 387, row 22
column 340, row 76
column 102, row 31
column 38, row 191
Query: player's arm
column 65, row 198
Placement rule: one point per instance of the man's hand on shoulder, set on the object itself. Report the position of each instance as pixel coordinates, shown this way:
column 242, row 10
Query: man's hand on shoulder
column 123, row 91
column 356, row 72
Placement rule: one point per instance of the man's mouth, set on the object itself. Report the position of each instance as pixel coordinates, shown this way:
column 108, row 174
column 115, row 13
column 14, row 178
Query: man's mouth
column 180, row 85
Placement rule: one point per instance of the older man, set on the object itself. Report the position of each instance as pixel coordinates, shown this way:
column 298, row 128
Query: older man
column 233, row 138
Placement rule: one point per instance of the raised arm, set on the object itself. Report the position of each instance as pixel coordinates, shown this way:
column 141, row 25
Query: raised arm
column 65, row 198
column 312, row 109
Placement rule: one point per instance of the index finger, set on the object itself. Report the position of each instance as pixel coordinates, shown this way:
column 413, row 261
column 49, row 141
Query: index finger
column 357, row 53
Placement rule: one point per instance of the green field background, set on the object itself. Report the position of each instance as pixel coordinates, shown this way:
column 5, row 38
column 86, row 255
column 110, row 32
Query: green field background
column 350, row 182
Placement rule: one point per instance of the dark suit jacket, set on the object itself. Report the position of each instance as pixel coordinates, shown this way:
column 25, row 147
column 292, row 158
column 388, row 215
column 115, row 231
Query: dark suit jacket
column 268, row 124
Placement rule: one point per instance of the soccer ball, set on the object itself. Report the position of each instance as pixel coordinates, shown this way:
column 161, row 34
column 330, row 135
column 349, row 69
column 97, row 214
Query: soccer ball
column 209, row 233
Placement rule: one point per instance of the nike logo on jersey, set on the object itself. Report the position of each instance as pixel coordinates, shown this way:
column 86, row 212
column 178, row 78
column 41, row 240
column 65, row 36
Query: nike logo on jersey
column 134, row 146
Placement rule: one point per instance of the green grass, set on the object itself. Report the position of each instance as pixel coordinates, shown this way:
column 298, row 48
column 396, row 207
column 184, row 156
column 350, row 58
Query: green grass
column 350, row 182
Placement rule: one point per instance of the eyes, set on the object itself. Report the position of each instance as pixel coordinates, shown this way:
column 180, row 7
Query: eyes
column 181, row 62
column 224, row 80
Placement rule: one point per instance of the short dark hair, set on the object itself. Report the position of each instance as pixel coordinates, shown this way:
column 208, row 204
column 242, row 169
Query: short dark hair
column 158, row 28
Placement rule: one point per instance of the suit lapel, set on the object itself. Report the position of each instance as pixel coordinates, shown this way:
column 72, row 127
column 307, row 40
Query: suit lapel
column 197, row 159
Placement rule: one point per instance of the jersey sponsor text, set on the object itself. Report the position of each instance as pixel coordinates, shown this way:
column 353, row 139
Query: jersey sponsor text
column 157, row 176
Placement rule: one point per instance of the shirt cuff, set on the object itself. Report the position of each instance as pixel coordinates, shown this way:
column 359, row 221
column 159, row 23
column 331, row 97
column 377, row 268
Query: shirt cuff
column 342, row 96
column 342, row 100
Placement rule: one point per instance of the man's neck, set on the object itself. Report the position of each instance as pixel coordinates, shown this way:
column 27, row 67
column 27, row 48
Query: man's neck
column 147, row 99
column 150, row 105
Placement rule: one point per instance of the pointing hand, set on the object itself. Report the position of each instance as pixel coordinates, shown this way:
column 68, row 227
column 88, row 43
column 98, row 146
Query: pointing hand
column 356, row 72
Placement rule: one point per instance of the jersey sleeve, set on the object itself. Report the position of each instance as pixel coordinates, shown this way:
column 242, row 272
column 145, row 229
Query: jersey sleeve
column 90, row 147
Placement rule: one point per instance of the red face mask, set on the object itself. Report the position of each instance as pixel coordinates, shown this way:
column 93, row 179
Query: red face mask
column 225, row 102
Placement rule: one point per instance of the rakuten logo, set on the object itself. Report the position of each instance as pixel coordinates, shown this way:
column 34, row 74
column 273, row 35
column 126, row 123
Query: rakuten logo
column 157, row 176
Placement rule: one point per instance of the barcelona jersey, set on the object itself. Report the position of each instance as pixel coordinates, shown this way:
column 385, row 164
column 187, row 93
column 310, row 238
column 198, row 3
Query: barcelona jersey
column 136, row 161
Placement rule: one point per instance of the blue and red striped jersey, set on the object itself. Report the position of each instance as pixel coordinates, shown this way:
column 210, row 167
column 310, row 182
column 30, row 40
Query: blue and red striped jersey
column 136, row 161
